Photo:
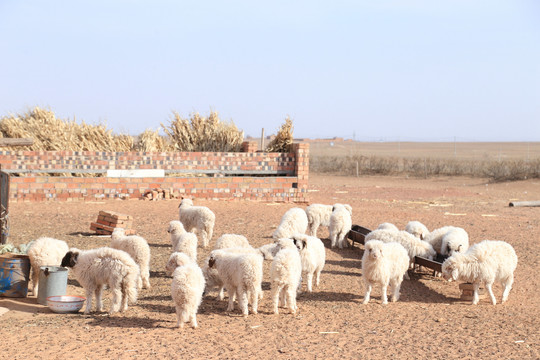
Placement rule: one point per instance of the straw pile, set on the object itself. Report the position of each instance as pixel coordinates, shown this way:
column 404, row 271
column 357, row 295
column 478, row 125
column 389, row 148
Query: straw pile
column 50, row 133
column 201, row 133
column 151, row 141
column 284, row 138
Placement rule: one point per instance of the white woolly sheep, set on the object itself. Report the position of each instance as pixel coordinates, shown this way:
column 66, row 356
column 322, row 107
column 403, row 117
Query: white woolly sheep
column 384, row 264
column 485, row 262
column 387, row 226
column 413, row 245
column 199, row 218
column 455, row 240
column 312, row 255
column 269, row 250
column 104, row 266
column 183, row 241
column 292, row 222
column 232, row 241
column 417, row 229
column 285, row 275
column 45, row 251
column 318, row 215
column 340, row 225
column 187, row 288
column 241, row 274
column 435, row 237
column 138, row 249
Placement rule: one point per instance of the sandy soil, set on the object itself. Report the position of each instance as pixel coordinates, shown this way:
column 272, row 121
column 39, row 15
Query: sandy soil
column 429, row 321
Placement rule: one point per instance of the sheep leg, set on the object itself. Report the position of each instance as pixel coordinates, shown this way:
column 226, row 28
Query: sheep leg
column 99, row 294
column 221, row 294
column 89, row 294
column 204, row 238
column 317, row 278
column 254, row 301
column 193, row 320
column 146, row 278
column 507, row 287
column 396, row 285
column 384, row 289
column 275, row 293
column 124, row 300
column 242, row 300
column 475, row 300
column 291, row 299
column 491, row 295
column 367, row 294
column 117, row 297
column 231, row 292
column 35, row 280
column 333, row 240
column 179, row 317
column 309, row 277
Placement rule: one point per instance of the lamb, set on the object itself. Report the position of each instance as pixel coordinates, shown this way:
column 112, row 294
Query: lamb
column 387, row 226
column 436, row 236
column 485, row 262
column 138, row 249
column 269, row 250
column 45, row 251
column 312, row 255
column 183, row 241
column 212, row 275
column 187, row 288
column 318, row 215
column 199, row 218
column 384, row 264
column 293, row 221
column 285, row 275
column 232, row 241
column 455, row 240
column 241, row 274
column 340, row 225
column 417, row 229
column 413, row 245
column 104, row 266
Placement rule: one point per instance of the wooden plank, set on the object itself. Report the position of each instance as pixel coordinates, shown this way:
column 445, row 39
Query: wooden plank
column 525, row 203
column 4, row 206
column 434, row 265
column 16, row 142
column 358, row 234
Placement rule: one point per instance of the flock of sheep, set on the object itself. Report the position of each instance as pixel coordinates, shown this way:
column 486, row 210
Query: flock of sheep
column 296, row 254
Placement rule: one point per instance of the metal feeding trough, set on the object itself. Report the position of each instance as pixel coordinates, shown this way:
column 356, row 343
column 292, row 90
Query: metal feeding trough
column 358, row 234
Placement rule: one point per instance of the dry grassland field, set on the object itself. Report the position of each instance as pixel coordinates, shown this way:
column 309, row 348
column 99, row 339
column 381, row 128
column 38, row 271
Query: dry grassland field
column 433, row 150
column 428, row 322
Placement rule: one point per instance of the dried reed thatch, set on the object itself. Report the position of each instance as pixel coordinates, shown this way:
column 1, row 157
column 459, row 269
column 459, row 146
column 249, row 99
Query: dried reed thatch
column 151, row 141
column 284, row 138
column 201, row 133
column 50, row 133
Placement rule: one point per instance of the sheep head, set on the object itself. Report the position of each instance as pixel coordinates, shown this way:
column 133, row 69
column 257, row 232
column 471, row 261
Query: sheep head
column 70, row 259
column 374, row 248
column 450, row 269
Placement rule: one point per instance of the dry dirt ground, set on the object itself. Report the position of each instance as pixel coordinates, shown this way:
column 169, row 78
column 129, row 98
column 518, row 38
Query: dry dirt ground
column 429, row 321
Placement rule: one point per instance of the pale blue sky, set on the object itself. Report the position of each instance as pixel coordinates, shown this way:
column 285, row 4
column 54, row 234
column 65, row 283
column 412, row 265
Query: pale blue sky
column 393, row 70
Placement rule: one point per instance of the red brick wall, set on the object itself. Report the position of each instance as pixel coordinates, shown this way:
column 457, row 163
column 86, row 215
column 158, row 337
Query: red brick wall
column 31, row 187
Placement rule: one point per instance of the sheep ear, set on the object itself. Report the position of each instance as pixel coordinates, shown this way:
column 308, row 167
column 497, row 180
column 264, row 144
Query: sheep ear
column 304, row 243
column 211, row 262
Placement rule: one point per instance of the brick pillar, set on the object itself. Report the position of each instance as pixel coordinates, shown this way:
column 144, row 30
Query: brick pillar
column 249, row 146
column 301, row 151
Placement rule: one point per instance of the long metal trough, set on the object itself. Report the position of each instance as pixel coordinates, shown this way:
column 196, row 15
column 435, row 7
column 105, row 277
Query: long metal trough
column 358, row 234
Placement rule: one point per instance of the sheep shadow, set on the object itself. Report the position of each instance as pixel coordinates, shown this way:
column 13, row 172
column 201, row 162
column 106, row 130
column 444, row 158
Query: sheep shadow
column 158, row 274
column 122, row 321
column 159, row 245
column 337, row 272
column 87, row 234
column 350, row 264
column 328, row 296
column 416, row 291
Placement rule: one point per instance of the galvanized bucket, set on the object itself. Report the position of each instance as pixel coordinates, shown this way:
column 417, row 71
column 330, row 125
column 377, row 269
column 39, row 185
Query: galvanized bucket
column 14, row 275
column 52, row 282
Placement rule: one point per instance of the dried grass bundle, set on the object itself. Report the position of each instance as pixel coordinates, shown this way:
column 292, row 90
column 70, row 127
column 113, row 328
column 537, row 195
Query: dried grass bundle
column 201, row 133
column 151, row 141
column 50, row 133
column 284, row 138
